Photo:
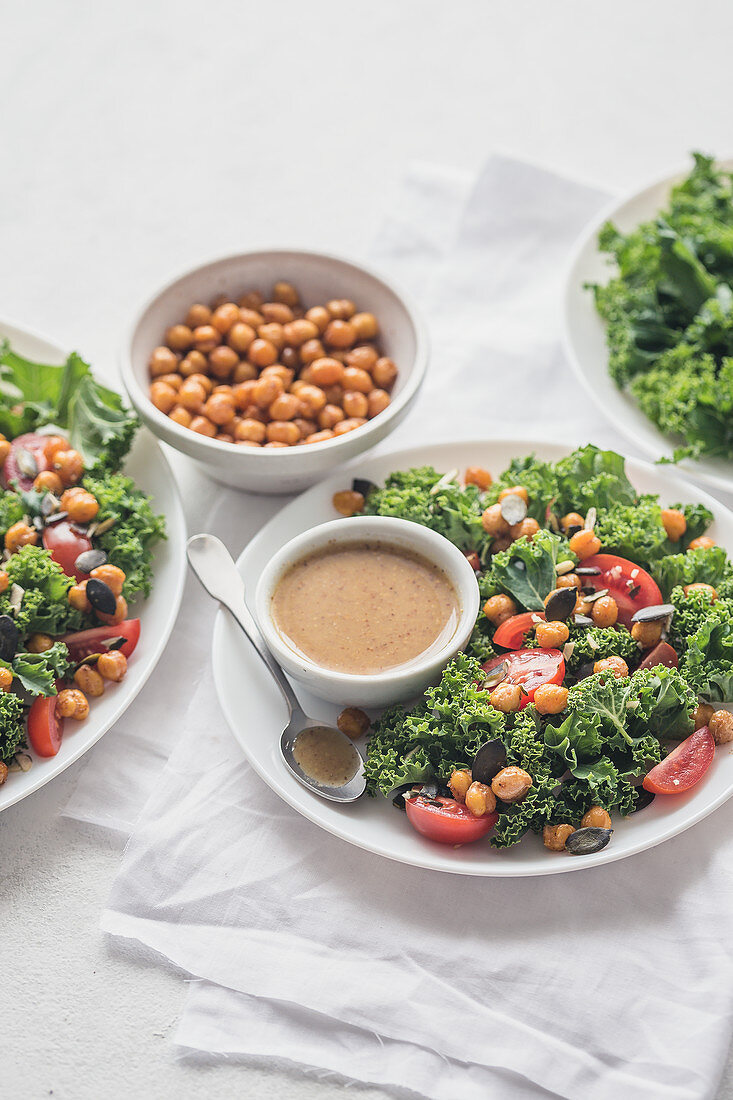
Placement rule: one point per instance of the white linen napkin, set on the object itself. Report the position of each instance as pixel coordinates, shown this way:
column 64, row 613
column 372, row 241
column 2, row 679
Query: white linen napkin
column 607, row 982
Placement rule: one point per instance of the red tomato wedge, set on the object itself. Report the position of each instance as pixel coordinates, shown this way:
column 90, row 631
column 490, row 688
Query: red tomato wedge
column 530, row 668
column 45, row 729
column 65, row 545
column 684, row 766
column 662, row 654
column 84, row 643
column 631, row 586
column 511, row 633
column 449, row 822
column 33, row 443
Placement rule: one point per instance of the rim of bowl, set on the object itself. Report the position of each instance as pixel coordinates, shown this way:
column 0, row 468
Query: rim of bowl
column 417, row 374
column 423, row 538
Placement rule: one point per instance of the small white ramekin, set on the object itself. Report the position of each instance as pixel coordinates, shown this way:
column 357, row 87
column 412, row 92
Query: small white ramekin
column 394, row 685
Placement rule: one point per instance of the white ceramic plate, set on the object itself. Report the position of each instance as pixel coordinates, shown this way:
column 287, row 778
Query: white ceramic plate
column 149, row 468
column 585, row 332
column 254, row 709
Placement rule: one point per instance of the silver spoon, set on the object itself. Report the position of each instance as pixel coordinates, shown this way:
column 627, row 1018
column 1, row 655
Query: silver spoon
column 214, row 566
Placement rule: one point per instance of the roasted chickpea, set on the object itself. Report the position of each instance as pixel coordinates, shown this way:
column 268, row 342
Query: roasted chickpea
column 203, row 426
column 459, row 782
column 356, row 379
column 319, row 437
column 82, row 506
column 262, row 352
column 568, row 580
column 4, row 581
column 329, row 416
column 312, row 399
column 277, row 370
column 355, row 403
column 276, row 443
column 285, row 407
column 162, row 361
column 514, row 491
column 511, row 784
column 220, row 408
column 615, row 665
column 506, row 697
column 384, row 373
column 377, row 402
column 305, row 427
column 223, row 362
column 528, row 528
column 311, row 351
column 77, row 598
column 110, row 575
column 699, row 587
column 292, row 358
column 243, row 393
column 6, row 681
column 251, row 317
column 192, row 395
column 550, row 698
column 674, row 523
column 252, row 300
column 181, row 416
column 285, row 293
column 500, row 542
column 326, row 371
column 5, row 449
column 112, row 665
column 646, row 634
column 499, row 608
column 266, row 390
column 69, row 465
column 224, row 316
column 477, row 475
column 493, row 522
column 480, row 800
column 240, row 337
column 297, row 332
column 341, row 309
column 554, row 836
column 206, row 338
column 277, row 312
column 353, row 722
column 179, row 337
column 320, row 317
column 334, row 394
column 721, row 727
column 570, row 521
column 596, row 818
column 198, row 315
column 702, row 715
column 173, row 380
column 363, row 356
column 282, row 431
column 704, row 542
column 604, row 611
column 48, row 481
column 585, row 544
column 274, row 333
column 39, row 643
column 365, row 325
column 72, row 703
column 247, row 443
column 20, row 534
column 348, row 502
column 88, row 680
column 552, row 635
column 194, row 363
column 163, row 396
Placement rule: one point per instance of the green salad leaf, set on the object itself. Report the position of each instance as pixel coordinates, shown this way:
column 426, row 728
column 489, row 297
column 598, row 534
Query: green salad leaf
column 37, row 672
column 136, row 528
column 12, row 725
column 526, row 570
column 44, row 607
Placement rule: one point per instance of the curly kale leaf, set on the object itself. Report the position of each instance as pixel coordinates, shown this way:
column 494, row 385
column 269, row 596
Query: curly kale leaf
column 707, row 663
column 12, row 511
column 12, row 725
column 526, row 749
column 135, row 531
column 442, row 504
column 536, row 476
column 590, row 477
column 37, row 673
column 526, row 570
column 633, row 531
column 595, row 643
column 707, row 566
column 44, row 607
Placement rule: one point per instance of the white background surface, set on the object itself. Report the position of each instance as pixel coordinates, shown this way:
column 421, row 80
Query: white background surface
column 139, row 138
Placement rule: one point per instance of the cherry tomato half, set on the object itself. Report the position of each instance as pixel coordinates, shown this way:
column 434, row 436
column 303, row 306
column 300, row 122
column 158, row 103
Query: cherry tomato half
column 65, row 545
column 449, row 822
column 662, row 654
column 511, row 633
column 33, row 443
column 45, row 728
column 684, row 766
column 630, row 585
column 530, row 668
column 86, row 642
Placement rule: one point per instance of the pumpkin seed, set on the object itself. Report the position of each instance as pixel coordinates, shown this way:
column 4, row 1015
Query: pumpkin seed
column 57, row 517
column 495, row 676
column 9, row 638
column 582, row 620
column 363, row 486
column 584, row 842
column 488, row 761
column 654, row 613
column 560, row 604
column 90, row 559
column 513, row 509
column 101, row 596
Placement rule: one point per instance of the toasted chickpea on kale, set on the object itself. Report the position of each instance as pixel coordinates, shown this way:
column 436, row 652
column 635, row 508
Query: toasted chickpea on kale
column 584, row 743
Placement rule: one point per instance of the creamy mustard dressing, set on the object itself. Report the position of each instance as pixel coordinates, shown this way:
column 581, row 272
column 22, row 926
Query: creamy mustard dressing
column 325, row 756
column 364, row 607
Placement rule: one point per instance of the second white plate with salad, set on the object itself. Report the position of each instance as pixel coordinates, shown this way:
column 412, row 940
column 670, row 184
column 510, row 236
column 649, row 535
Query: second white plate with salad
column 254, row 710
column 149, row 469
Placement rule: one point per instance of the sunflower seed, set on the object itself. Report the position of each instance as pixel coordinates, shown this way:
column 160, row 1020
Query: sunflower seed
column 444, row 482
column 513, row 509
column 100, row 528
column 26, row 462
column 568, row 649
column 590, row 519
column 21, row 762
column 588, row 570
column 57, row 517
column 49, row 504
column 582, row 620
column 16, row 598
column 564, row 567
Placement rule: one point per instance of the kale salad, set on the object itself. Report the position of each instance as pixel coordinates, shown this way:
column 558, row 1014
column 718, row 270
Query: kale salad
column 77, row 537
column 668, row 310
column 599, row 668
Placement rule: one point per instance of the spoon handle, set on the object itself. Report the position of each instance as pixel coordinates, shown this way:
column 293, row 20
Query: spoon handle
column 215, row 568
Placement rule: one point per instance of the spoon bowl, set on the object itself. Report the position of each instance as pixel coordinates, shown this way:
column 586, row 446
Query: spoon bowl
column 215, row 568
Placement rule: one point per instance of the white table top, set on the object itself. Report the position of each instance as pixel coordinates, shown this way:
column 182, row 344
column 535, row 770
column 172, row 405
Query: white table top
column 138, row 138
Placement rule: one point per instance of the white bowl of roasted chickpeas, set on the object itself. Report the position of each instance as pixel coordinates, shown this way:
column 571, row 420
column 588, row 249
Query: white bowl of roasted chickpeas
column 271, row 368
